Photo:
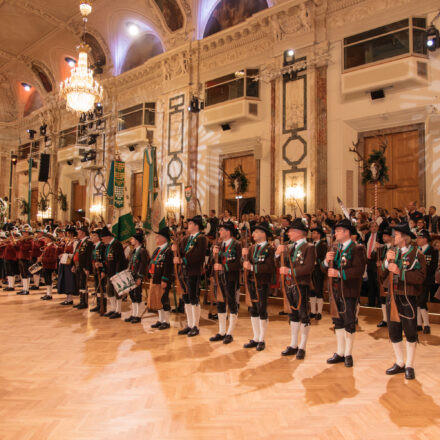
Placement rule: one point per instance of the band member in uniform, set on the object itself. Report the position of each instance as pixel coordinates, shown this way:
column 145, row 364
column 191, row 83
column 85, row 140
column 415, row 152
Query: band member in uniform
column 11, row 261
column 66, row 279
column 48, row 258
column 431, row 258
column 98, row 261
column 298, row 265
column 228, row 268
column 37, row 244
column 407, row 267
column 24, row 259
column 192, row 251
column 261, row 267
column 82, row 266
column 115, row 262
column 138, row 267
column 349, row 262
column 161, row 271
column 316, row 292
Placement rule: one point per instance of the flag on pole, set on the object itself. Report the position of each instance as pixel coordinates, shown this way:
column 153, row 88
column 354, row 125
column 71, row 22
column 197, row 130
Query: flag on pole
column 123, row 225
column 152, row 209
column 111, row 183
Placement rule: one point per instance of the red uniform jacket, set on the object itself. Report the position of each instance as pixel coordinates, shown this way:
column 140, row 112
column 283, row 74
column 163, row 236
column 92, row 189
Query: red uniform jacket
column 11, row 252
column 24, row 249
column 49, row 257
column 36, row 246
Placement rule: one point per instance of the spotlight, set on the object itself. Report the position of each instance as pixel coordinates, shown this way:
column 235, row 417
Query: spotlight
column 432, row 38
column 70, row 162
column 98, row 110
column 289, row 57
column 132, row 147
column 31, row 133
column 226, row 127
column 70, row 61
column 89, row 156
column 83, row 118
column 27, row 87
column 195, row 105
column 43, row 130
column 133, row 30
column 92, row 139
column 14, row 158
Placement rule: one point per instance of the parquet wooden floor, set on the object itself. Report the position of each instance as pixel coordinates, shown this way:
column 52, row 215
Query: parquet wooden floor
column 71, row 375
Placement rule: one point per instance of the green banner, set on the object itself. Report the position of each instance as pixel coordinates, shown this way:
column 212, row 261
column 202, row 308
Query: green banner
column 111, row 182
column 118, row 197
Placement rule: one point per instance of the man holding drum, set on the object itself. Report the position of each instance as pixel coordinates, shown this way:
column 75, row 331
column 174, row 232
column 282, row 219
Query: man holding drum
column 115, row 262
column 138, row 268
column 82, row 260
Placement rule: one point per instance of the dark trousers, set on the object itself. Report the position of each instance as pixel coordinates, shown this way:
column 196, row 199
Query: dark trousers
column 47, row 275
column 11, row 267
column 407, row 308
column 192, row 294
column 318, row 283
column 302, row 315
column 24, row 268
column 165, row 299
column 98, row 289
column 229, row 289
column 259, row 308
column 372, row 286
column 423, row 298
column 347, row 314
column 136, row 294
column 81, row 283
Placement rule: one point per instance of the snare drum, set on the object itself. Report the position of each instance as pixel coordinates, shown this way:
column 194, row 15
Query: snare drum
column 35, row 268
column 123, row 282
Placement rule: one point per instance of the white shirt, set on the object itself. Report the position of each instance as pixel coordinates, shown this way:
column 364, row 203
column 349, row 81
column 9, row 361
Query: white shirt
column 262, row 244
column 227, row 242
column 423, row 248
column 344, row 246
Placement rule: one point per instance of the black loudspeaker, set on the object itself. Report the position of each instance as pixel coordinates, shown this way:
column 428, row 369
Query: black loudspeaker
column 226, row 127
column 43, row 175
column 377, row 94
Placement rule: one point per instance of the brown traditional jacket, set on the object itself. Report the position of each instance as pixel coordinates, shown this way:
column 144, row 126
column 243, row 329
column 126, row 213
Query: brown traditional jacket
column 262, row 259
column 193, row 252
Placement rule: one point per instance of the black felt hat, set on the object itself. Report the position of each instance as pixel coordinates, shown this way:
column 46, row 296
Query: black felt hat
column 320, row 231
column 165, row 232
column 229, row 226
column 85, row 229
column 105, row 232
column 387, row 231
column 299, row 225
column 346, row 224
column 97, row 232
column 424, row 233
column 198, row 220
column 139, row 237
column 265, row 228
column 404, row 229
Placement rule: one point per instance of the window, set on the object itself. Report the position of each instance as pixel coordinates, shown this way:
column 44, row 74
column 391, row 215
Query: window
column 236, row 85
column 23, row 151
column 67, row 137
column 141, row 114
column 389, row 41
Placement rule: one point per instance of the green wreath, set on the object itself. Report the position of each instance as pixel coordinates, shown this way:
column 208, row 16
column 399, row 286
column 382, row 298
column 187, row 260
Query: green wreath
column 238, row 180
column 43, row 203
column 62, row 198
column 24, row 207
column 375, row 169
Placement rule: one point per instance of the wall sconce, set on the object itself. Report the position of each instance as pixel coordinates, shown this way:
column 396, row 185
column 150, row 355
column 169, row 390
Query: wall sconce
column 293, row 194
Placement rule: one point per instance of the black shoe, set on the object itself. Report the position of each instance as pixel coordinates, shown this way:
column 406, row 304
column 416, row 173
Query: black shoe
column 348, row 362
column 395, row 369
column 108, row 314
column 217, row 337
column 82, row 306
column 336, row 359
column 135, row 320
column 312, row 315
column 43, row 297
column 193, row 332
column 261, row 346
column 76, row 306
column 164, row 326
column 318, row 317
column 34, row 288
column 129, row 319
column 427, row 330
column 48, row 298
column 8, row 289
column 228, row 339
column 184, row 331
column 289, row 351
column 66, row 303
column 382, row 324
column 115, row 315
column 282, row 313
column 250, row 344
column 409, row 373
column 96, row 308
column 156, row 325
column 419, row 328
column 23, row 292
column 301, row 354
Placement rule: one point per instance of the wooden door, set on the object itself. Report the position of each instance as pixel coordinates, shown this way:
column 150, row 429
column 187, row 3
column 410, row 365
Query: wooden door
column 136, row 194
column 78, row 201
column 34, row 203
column 402, row 157
column 248, row 202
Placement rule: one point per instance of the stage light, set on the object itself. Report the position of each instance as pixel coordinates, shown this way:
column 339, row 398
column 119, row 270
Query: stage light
column 195, row 105
column 31, row 133
column 432, row 38
column 89, row 156
column 43, row 129
column 92, row 139
column 70, row 61
column 133, row 30
column 14, row 158
column 98, row 110
column 27, row 87
column 289, row 57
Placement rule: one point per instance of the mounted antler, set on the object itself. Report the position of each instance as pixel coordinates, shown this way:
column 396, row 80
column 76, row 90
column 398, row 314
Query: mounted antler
column 356, row 151
column 383, row 143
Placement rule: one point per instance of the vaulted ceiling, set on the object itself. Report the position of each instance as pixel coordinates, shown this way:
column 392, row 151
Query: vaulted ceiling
column 36, row 36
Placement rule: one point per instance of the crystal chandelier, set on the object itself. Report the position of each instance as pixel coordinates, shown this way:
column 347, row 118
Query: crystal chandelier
column 81, row 90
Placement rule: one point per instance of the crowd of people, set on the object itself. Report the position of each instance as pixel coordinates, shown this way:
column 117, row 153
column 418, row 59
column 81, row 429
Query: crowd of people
column 391, row 258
